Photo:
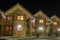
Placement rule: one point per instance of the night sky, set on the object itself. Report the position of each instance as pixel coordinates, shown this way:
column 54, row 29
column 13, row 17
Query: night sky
column 48, row 7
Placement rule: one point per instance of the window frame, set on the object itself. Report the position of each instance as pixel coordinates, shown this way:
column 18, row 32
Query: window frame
column 20, row 19
column 55, row 23
column 11, row 18
column 41, row 20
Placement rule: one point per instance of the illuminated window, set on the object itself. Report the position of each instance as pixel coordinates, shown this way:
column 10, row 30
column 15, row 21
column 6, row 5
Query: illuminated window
column 9, row 17
column 41, row 21
column 10, row 28
column 19, row 17
column 7, row 28
column 55, row 23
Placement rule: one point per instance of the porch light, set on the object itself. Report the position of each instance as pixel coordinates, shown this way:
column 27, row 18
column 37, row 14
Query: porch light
column 19, row 28
column 58, row 29
column 41, row 28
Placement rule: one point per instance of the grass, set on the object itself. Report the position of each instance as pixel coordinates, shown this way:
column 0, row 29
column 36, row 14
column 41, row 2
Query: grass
column 30, row 37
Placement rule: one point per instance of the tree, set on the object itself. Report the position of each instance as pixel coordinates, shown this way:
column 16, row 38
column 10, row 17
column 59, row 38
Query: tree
column 48, row 30
column 56, row 33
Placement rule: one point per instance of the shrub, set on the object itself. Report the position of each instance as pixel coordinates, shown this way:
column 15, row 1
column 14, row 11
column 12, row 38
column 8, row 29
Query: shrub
column 37, row 34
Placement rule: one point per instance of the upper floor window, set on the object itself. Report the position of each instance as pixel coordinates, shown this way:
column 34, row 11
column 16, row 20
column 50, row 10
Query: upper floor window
column 55, row 23
column 20, row 18
column 9, row 18
column 41, row 21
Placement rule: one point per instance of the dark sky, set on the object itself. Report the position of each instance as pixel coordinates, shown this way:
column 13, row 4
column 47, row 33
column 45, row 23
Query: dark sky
column 48, row 7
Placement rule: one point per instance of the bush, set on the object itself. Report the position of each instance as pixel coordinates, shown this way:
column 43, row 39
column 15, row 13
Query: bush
column 37, row 34
column 28, row 34
column 56, row 33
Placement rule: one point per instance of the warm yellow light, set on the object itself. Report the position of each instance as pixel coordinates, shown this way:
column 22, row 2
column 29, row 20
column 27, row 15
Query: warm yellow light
column 9, row 17
column 41, row 21
column 55, row 23
column 19, row 17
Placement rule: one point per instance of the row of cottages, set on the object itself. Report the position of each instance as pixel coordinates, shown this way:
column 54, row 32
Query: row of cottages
column 17, row 21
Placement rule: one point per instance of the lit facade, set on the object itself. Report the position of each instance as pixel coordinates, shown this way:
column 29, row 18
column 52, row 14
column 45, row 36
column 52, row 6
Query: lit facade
column 41, row 22
column 15, row 16
column 55, row 25
column 17, row 21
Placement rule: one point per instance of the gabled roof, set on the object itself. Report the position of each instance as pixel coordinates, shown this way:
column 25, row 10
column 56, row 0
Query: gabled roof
column 54, row 16
column 41, row 13
column 19, row 6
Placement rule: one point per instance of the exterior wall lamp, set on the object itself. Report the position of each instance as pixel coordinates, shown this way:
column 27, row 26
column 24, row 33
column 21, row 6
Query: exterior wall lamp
column 58, row 29
column 19, row 27
column 41, row 29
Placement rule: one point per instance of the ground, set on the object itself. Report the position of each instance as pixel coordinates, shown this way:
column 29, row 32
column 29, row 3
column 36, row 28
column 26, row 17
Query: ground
column 9, row 38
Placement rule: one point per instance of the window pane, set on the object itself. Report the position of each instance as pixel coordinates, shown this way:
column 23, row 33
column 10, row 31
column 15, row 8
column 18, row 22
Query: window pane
column 41, row 21
column 19, row 17
column 9, row 17
column 10, row 28
column 7, row 28
column 55, row 23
